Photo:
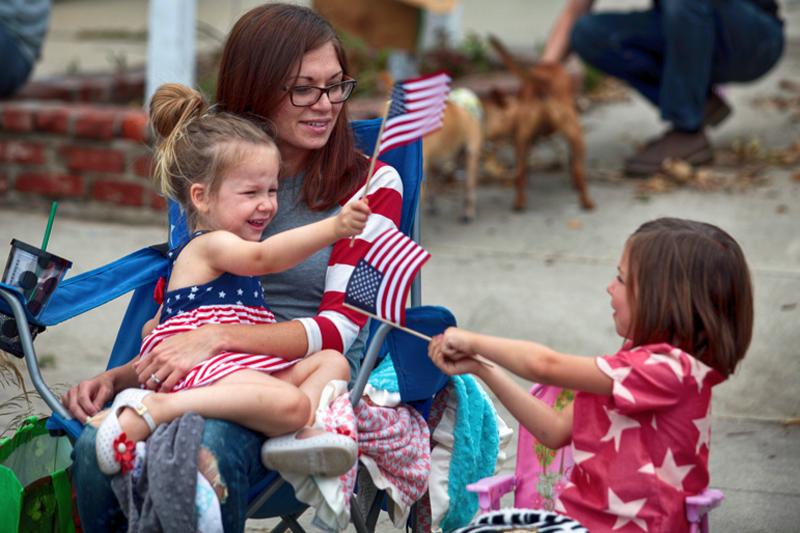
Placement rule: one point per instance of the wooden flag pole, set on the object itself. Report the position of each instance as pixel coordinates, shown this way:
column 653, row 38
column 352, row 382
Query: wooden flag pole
column 410, row 331
column 394, row 324
column 374, row 155
column 377, row 146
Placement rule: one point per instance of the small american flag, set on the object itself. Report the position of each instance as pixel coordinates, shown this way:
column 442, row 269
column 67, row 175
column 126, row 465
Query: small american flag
column 381, row 280
column 416, row 110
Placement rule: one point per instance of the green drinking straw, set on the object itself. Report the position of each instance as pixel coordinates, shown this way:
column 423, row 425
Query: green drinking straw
column 53, row 208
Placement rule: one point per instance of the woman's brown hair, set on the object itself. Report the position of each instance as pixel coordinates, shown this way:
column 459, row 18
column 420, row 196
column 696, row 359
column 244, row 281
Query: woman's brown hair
column 194, row 145
column 690, row 286
column 264, row 49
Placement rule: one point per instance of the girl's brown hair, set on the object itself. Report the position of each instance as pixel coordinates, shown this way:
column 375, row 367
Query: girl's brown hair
column 263, row 51
column 194, row 145
column 690, row 286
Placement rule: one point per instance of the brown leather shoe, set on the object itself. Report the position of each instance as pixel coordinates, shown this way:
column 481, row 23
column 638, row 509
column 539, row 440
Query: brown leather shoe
column 716, row 110
column 693, row 148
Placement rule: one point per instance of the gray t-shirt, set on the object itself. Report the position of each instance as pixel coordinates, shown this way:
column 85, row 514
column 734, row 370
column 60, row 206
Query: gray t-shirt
column 297, row 292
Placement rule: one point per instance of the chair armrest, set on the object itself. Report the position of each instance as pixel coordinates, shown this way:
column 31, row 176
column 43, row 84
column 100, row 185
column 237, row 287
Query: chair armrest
column 491, row 489
column 20, row 314
column 417, row 377
column 368, row 363
column 7, row 309
column 59, row 424
column 699, row 505
column 88, row 290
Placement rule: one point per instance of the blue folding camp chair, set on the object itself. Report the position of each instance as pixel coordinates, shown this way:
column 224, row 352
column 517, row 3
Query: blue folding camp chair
column 418, row 379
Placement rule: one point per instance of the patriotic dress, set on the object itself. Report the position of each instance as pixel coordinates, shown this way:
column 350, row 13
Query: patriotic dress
column 228, row 299
column 639, row 452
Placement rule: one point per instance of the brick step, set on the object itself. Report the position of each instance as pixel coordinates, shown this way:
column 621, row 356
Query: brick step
column 100, row 88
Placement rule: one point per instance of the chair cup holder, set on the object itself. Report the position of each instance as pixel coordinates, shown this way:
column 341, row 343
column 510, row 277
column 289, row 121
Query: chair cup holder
column 35, row 272
column 9, row 335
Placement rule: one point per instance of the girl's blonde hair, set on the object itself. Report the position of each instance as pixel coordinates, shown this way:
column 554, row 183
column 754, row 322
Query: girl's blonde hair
column 195, row 144
column 690, row 286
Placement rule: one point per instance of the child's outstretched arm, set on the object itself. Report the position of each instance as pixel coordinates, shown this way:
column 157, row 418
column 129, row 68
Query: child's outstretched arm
column 228, row 253
column 552, row 428
column 527, row 359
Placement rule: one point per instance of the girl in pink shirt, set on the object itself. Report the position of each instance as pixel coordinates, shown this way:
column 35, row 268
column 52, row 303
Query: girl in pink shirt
column 640, row 422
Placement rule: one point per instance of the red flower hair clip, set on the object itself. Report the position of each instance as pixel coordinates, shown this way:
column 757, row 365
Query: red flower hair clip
column 124, row 451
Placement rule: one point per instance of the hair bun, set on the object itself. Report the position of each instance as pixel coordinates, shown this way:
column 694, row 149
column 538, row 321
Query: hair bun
column 172, row 105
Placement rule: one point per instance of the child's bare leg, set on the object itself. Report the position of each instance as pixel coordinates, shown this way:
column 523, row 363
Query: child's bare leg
column 250, row 398
column 313, row 451
column 312, row 373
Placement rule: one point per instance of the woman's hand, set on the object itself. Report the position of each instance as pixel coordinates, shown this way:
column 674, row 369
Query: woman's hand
column 352, row 219
column 87, row 397
column 173, row 357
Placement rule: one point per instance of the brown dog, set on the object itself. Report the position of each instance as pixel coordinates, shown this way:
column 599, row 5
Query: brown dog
column 545, row 104
column 461, row 131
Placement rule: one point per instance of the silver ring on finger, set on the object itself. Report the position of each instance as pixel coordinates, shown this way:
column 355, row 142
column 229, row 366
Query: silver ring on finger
column 155, row 379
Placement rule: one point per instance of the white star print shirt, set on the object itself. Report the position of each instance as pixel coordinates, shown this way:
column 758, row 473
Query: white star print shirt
column 641, row 451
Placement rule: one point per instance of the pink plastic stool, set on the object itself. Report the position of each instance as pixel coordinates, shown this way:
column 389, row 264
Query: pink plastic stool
column 698, row 507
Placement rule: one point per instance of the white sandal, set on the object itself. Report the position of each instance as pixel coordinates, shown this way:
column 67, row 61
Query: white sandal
column 114, row 451
column 326, row 454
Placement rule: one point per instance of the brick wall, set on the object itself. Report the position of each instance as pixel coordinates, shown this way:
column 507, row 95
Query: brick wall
column 125, row 88
column 93, row 158
column 83, row 141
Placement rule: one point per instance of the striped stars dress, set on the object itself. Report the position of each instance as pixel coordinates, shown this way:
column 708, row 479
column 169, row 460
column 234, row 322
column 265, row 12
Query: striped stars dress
column 228, row 299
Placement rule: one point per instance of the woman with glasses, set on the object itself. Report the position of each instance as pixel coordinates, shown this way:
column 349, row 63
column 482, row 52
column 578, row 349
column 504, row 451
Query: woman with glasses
column 284, row 68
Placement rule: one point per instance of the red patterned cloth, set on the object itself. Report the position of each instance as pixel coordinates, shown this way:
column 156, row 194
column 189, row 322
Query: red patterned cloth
column 393, row 443
column 639, row 452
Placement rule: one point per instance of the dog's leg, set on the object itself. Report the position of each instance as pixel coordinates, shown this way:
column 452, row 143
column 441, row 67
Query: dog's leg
column 569, row 126
column 528, row 124
column 426, row 196
column 473, row 153
column 521, row 180
column 471, row 185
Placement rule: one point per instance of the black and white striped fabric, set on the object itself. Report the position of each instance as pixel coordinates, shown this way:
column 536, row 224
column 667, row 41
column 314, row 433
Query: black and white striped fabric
column 522, row 520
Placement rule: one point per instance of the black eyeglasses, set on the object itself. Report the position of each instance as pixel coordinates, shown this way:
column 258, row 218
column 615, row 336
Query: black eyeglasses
column 308, row 95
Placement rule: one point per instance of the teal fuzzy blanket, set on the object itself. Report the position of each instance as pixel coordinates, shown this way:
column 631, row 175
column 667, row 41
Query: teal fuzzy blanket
column 475, row 448
column 384, row 376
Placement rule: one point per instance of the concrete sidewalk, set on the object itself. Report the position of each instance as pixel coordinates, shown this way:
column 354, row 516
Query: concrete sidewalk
column 542, row 274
